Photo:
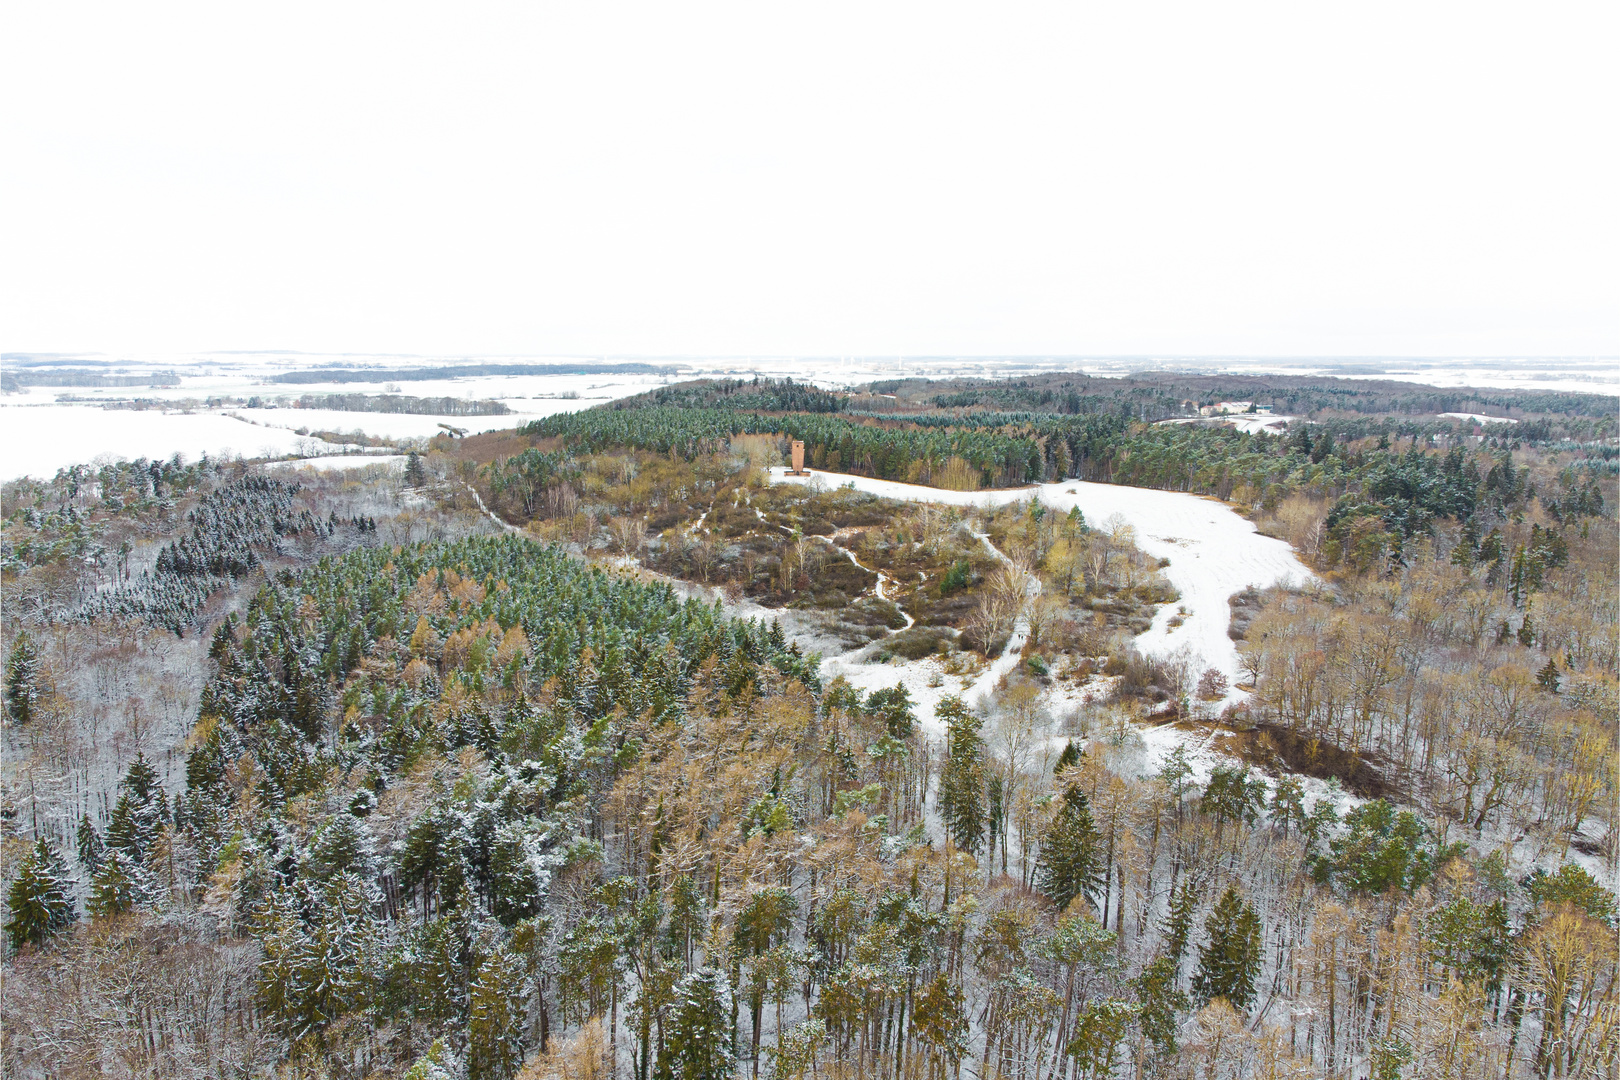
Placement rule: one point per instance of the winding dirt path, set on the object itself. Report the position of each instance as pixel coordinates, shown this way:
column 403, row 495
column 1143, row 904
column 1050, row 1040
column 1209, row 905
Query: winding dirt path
column 1213, row 552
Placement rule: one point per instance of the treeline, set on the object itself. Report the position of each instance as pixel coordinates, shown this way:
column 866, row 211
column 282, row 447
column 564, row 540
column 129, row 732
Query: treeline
column 764, row 395
column 398, row 403
column 461, row 371
column 982, row 458
column 15, row 380
column 1179, row 394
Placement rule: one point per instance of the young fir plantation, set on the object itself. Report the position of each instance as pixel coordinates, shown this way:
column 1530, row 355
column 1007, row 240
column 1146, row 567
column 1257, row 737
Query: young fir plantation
column 590, row 749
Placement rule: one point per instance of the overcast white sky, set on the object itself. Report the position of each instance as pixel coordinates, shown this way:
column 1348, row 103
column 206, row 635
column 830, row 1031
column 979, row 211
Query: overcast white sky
column 677, row 178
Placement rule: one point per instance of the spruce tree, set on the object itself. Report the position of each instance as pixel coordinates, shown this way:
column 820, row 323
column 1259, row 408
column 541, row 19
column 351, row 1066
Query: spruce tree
column 1070, row 757
column 1178, row 926
column 495, row 1019
column 120, row 883
column 697, row 1045
column 415, row 475
column 961, row 784
column 89, row 844
column 38, row 900
column 139, row 812
column 686, row 918
column 1230, row 962
column 22, row 679
column 1070, row 861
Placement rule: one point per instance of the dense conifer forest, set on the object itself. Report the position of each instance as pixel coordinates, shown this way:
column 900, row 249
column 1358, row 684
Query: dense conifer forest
column 590, row 750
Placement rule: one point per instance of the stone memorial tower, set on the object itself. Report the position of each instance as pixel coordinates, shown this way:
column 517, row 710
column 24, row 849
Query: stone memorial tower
column 798, row 459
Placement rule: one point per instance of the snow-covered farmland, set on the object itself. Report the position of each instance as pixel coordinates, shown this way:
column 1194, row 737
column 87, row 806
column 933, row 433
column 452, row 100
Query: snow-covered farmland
column 38, row 440
column 39, row 435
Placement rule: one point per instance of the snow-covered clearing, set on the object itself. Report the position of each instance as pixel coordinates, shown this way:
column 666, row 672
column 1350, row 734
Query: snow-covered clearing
column 1213, row 551
column 1244, row 422
column 340, row 462
column 1479, row 418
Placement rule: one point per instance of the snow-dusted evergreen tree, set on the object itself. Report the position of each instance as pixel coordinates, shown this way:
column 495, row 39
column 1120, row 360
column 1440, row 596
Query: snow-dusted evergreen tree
column 39, row 900
column 89, row 845
column 119, row 884
column 495, row 1019
column 439, row 1063
column 1229, row 962
column 22, row 679
column 139, row 813
column 204, row 808
column 1178, row 922
column 961, row 785
column 1070, row 863
column 315, row 957
column 1162, row 1001
column 697, row 1041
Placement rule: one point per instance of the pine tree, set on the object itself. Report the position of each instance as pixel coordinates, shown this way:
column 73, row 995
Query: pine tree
column 697, row 1043
column 22, row 679
column 961, row 784
column 1070, row 861
column 1288, row 804
column 1230, row 962
column 439, row 1063
column 1547, row 678
column 1098, row 1031
column 415, row 475
column 686, row 918
column 39, row 900
column 1232, row 796
column 315, row 961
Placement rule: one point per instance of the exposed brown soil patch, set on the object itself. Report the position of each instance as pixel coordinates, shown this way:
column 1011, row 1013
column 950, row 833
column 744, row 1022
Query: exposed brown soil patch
column 1278, row 749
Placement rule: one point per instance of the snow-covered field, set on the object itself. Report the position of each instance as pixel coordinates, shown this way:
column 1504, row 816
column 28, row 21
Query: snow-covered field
column 38, row 435
column 38, row 440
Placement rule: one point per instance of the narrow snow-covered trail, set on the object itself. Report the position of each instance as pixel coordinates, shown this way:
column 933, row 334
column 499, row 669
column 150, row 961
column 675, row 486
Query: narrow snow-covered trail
column 1213, row 551
column 917, row 676
column 878, row 588
column 505, row 526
